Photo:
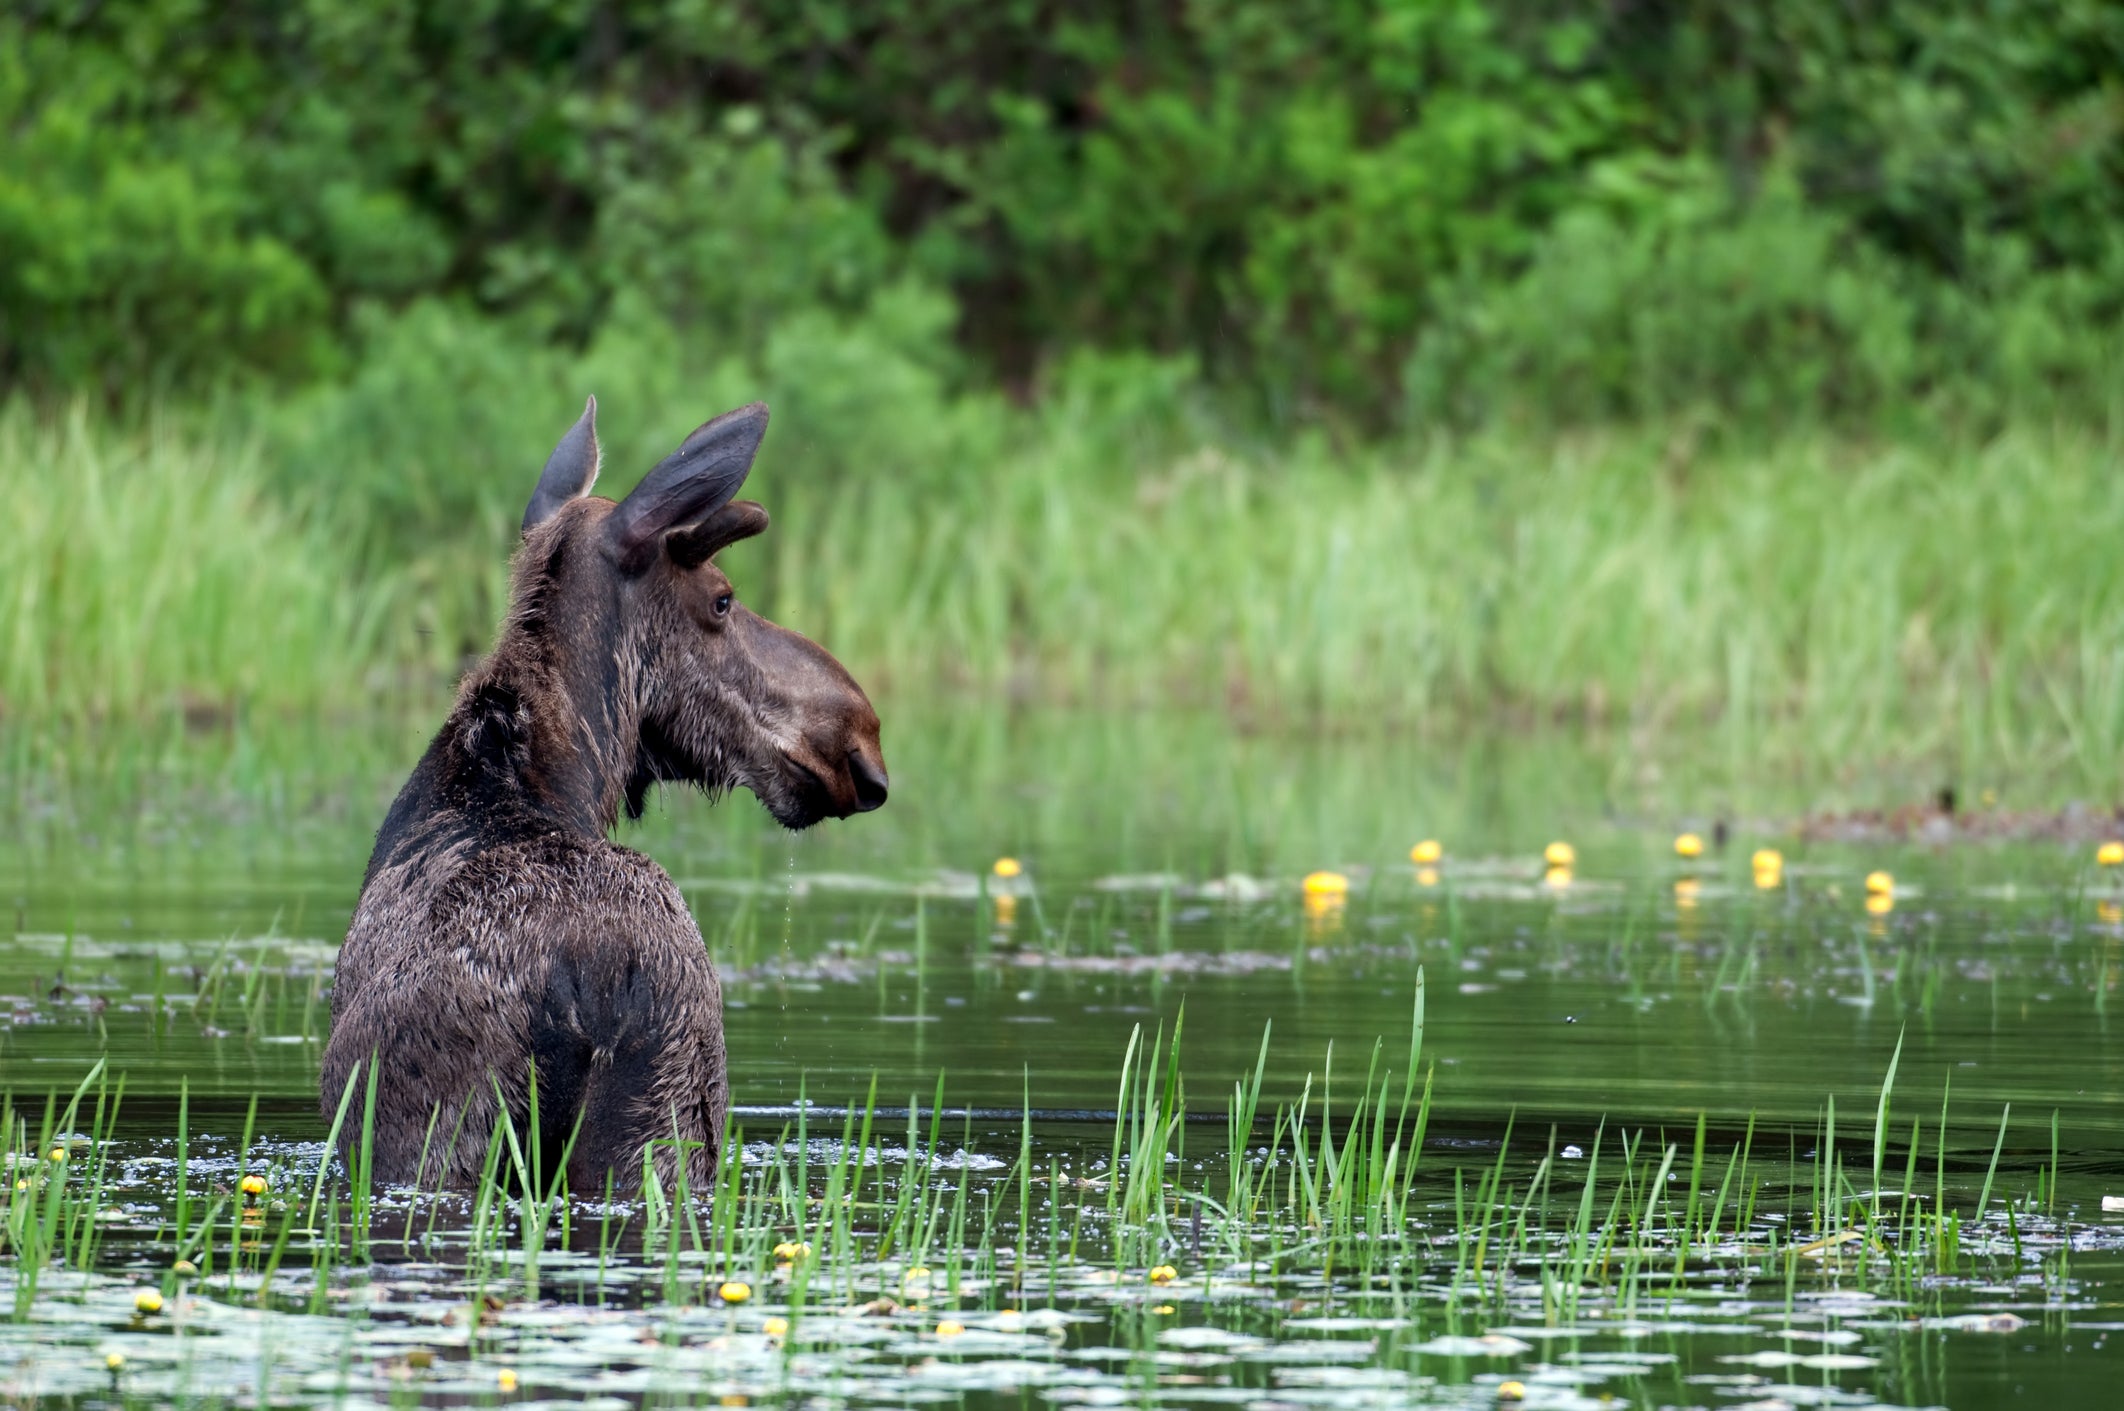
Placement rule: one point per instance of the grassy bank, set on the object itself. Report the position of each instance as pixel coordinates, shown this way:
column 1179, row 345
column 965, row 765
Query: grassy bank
column 1819, row 593
column 1872, row 596
column 150, row 571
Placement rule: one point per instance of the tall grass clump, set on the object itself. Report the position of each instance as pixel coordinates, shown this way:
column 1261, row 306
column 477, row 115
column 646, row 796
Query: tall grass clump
column 1854, row 596
column 149, row 569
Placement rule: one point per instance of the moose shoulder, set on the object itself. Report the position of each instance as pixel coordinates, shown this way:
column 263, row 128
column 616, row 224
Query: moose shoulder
column 500, row 934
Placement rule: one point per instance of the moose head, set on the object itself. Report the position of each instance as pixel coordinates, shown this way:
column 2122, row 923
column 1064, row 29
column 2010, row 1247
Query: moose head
column 670, row 677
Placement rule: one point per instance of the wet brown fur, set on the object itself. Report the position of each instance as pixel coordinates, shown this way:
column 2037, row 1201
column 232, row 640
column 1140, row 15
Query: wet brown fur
column 499, row 932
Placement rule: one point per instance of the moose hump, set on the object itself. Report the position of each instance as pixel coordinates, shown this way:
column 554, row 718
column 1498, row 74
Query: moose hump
column 502, row 943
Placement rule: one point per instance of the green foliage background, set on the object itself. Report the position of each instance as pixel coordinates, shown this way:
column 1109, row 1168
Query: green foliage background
column 1410, row 358
column 1390, row 211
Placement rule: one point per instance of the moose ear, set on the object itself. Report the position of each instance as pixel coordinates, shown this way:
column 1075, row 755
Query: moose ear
column 570, row 471
column 687, row 486
column 693, row 546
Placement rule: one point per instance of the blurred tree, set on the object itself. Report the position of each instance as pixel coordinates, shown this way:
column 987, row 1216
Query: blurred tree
column 1371, row 208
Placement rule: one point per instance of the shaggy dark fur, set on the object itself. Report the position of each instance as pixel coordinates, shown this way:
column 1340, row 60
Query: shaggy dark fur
column 499, row 932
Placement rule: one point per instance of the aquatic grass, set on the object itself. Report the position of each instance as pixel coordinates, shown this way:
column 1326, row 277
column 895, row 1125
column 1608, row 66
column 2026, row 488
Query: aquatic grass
column 1983, row 1205
column 362, row 1172
column 541, row 1201
column 1880, row 1121
column 331, row 1144
column 41, row 1218
column 1652, row 1214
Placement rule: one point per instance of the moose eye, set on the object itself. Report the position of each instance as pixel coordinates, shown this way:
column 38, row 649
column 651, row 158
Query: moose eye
column 722, row 605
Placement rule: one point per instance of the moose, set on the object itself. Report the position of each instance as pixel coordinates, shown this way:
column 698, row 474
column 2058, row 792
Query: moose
column 505, row 957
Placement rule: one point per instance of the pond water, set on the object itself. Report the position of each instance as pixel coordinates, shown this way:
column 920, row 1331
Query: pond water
column 1598, row 1045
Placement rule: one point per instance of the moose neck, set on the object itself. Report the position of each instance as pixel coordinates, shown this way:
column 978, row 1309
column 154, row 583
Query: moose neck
column 545, row 731
column 566, row 681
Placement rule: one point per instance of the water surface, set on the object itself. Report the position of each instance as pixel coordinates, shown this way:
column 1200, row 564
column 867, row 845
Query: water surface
column 182, row 928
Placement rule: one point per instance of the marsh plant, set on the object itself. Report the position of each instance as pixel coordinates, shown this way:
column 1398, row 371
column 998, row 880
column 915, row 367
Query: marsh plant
column 841, row 1207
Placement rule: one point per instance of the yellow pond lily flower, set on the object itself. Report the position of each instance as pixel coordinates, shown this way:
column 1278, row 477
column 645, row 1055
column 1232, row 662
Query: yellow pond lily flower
column 1427, row 852
column 1560, row 854
column 1688, row 845
column 2110, row 854
column 1007, row 867
column 734, row 1292
column 1326, row 884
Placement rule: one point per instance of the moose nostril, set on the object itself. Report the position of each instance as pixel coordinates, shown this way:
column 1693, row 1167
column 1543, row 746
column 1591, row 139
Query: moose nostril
column 869, row 782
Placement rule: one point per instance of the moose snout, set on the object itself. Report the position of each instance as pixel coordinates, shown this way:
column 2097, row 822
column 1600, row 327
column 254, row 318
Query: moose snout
column 869, row 780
